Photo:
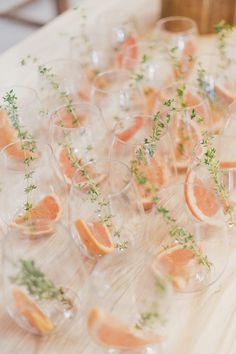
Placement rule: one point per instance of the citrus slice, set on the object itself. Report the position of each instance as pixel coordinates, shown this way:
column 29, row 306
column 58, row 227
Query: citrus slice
column 95, row 236
column 83, row 95
column 157, row 175
column 187, row 135
column 228, row 164
column 49, row 208
column 108, row 331
column 7, row 132
column 70, row 120
column 224, row 94
column 129, row 50
column 186, row 61
column 151, row 95
column 128, row 133
column 200, row 200
column 69, row 163
column 176, row 262
column 32, row 312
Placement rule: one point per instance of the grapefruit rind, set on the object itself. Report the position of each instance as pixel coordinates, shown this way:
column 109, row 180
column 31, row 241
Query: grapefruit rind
column 87, row 236
column 108, row 331
column 31, row 312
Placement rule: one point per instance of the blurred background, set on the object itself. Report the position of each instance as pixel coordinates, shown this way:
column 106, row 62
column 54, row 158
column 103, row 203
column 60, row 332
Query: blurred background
column 20, row 18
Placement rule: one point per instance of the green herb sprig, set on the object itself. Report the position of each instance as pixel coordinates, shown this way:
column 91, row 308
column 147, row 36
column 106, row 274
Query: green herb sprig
column 143, row 154
column 27, row 145
column 37, row 284
column 96, row 196
column 223, row 30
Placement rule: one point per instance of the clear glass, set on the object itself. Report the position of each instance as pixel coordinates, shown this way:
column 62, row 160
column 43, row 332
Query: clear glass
column 64, row 79
column 46, row 186
column 151, row 68
column 114, row 33
column 216, row 82
column 179, row 35
column 226, row 155
column 38, row 296
column 117, row 95
column 196, row 257
column 106, row 213
column 158, row 170
column 77, row 136
column 129, row 304
column 186, row 131
column 29, row 110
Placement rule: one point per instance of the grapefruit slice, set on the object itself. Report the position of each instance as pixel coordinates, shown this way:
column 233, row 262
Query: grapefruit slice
column 129, row 50
column 68, row 163
column 7, row 133
column 152, row 96
column 32, row 312
column 186, row 61
column 228, row 164
column 110, row 332
column 187, row 135
column 95, row 236
column 69, row 120
column 224, row 94
column 49, row 208
column 157, row 174
column 176, row 262
column 200, row 200
column 128, row 133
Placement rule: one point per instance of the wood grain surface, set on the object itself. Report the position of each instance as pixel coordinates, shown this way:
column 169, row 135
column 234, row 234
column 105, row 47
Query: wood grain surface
column 203, row 324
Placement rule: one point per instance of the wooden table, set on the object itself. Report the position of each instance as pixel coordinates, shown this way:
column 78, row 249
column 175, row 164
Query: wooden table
column 204, row 324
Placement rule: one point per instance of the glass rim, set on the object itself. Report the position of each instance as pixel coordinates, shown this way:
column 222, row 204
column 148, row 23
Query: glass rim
column 191, row 30
column 109, row 161
column 4, row 156
column 92, row 106
column 109, row 73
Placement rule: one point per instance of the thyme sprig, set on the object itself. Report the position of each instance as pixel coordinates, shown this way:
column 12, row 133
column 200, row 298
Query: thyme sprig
column 27, row 145
column 223, row 30
column 37, row 284
column 176, row 63
column 149, row 317
column 50, row 77
column 143, row 154
column 96, row 196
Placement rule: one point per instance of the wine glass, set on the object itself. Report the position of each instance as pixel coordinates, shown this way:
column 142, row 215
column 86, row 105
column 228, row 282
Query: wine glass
column 106, row 213
column 156, row 168
column 39, row 297
column 28, row 109
column 114, row 33
column 217, row 84
column 194, row 237
column 221, row 176
column 189, row 116
column 78, row 135
column 116, row 94
column 32, row 185
column 179, row 35
column 151, row 67
column 129, row 304
column 61, row 81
